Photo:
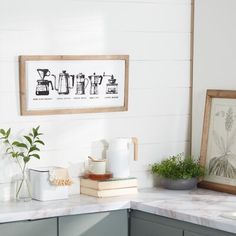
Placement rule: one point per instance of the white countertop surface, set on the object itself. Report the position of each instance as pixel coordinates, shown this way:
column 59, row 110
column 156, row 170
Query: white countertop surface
column 199, row 206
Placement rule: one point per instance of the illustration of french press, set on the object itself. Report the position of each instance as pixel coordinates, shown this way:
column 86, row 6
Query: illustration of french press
column 95, row 80
column 111, row 86
column 42, row 87
column 81, row 84
column 64, row 82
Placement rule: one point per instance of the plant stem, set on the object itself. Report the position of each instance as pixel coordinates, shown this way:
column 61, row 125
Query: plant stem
column 22, row 181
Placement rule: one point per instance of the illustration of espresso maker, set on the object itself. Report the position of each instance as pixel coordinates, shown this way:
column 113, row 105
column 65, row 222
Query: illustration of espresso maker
column 95, row 80
column 64, row 82
column 43, row 85
column 81, row 84
column 111, row 86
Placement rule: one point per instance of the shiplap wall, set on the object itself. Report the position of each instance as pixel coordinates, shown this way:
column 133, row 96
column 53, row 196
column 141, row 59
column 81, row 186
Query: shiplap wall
column 156, row 35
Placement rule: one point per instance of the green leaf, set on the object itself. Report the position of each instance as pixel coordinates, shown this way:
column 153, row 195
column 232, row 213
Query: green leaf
column 28, row 139
column 18, row 144
column 37, row 128
column 35, row 155
column 14, row 154
column 35, row 132
column 26, row 159
column 2, row 131
column 30, row 134
column 33, row 148
column 40, row 141
column 8, row 133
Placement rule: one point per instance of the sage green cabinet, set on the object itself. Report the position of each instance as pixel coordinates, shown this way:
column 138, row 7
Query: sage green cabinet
column 46, row 227
column 146, row 224
column 114, row 223
column 141, row 227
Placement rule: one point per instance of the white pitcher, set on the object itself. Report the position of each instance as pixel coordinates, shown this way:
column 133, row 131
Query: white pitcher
column 118, row 156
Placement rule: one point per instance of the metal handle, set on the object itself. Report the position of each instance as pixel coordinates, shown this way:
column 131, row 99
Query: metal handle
column 135, row 142
column 55, row 82
column 73, row 81
column 85, row 86
column 50, row 82
column 101, row 77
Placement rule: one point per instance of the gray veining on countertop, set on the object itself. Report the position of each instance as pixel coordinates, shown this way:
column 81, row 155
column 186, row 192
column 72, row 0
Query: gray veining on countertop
column 199, row 206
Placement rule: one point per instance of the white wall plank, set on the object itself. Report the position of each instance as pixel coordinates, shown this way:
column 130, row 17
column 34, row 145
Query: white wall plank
column 72, row 134
column 156, row 74
column 139, row 45
column 158, row 17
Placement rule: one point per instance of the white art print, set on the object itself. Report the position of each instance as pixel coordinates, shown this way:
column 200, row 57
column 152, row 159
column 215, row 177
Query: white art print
column 221, row 151
column 79, row 84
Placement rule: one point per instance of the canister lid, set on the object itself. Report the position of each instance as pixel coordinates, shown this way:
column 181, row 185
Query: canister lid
column 43, row 169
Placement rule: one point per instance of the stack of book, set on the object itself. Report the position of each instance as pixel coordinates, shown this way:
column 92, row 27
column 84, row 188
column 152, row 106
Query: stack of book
column 108, row 188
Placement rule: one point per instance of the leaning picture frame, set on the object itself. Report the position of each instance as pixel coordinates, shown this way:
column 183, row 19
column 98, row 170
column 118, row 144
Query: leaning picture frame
column 218, row 146
column 51, row 85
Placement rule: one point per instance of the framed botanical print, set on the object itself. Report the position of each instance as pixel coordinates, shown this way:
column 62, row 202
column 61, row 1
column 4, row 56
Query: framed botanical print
column 73, row 84
column 218, row 147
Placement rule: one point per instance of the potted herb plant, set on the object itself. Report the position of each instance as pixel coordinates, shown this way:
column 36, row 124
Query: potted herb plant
column 22, row 151
column 178, row 172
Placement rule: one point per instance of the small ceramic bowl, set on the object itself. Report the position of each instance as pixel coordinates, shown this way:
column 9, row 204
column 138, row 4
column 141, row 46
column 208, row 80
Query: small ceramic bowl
column 97, row 166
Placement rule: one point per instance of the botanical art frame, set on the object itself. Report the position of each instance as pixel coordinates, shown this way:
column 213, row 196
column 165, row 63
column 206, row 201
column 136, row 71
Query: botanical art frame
column 52, row 85
column 218, row 146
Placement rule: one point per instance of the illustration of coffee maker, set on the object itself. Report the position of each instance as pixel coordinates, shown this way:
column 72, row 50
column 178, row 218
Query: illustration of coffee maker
column 111, row 86
column 95, row 80
column 81, row 84
column 64, row 82
column 42, row 87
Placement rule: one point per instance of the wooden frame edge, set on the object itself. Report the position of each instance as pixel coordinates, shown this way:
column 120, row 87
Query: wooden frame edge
column 211, row 93
column 22, row 83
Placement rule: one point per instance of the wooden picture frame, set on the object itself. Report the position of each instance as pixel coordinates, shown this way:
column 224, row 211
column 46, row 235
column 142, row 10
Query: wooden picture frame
column 218, row 146
column 51, row 85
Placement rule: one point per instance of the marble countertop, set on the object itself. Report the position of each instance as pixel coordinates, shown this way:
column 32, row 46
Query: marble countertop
column 199, row 206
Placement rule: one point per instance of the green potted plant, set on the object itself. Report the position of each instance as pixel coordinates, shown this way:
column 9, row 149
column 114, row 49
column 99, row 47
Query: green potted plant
column 178, row 172
column 22, row 150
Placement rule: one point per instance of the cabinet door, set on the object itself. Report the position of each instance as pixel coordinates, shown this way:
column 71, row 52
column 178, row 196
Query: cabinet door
column 47, row 227
column 113, row 223
column 146, row 228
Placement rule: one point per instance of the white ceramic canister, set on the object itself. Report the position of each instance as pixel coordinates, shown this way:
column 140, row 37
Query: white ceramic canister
column 41, row 187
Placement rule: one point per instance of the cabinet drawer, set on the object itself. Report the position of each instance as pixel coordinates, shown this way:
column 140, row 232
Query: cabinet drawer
column 146, row 228
column 113, row 223
column 47, row 227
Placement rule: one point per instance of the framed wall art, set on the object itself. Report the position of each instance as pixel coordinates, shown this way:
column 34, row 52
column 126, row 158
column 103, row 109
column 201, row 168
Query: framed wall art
column 218, row 147
column 73, row 84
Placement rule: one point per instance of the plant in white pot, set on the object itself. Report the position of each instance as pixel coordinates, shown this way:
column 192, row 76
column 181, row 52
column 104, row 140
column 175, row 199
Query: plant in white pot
column 22, row 151
column 178, row 172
